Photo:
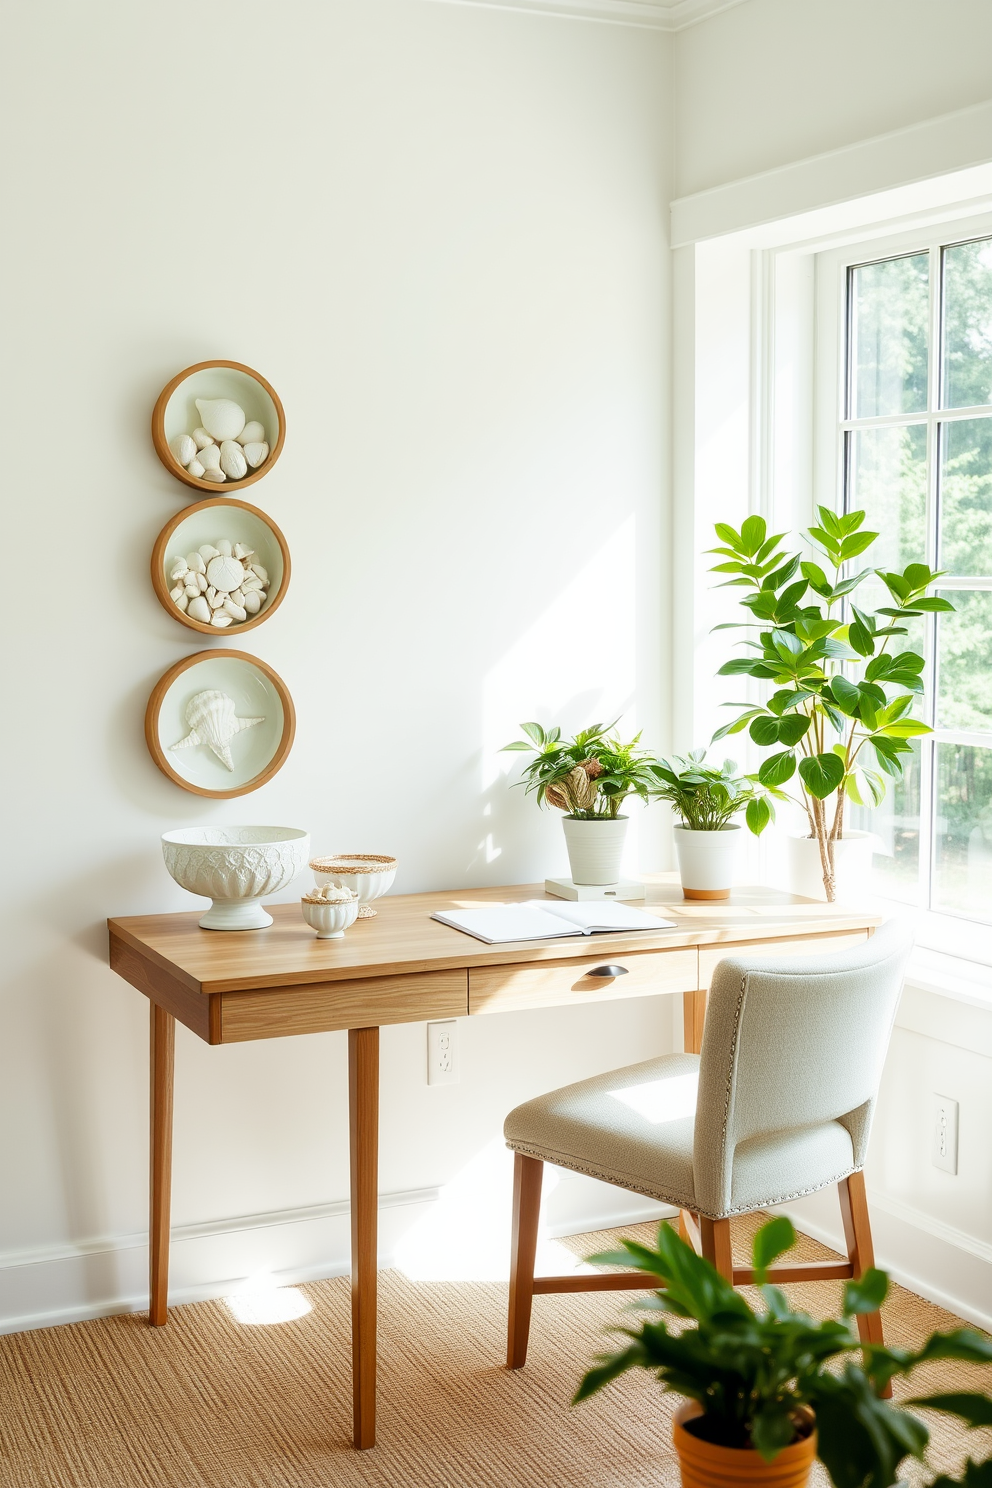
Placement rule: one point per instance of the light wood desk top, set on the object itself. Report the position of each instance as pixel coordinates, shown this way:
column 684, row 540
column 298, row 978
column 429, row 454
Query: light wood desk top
column 403, row 939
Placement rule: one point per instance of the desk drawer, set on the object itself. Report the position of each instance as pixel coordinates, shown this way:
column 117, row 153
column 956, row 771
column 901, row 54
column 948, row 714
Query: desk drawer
column 506, row 989
column 802, row 945
column 320, row 1007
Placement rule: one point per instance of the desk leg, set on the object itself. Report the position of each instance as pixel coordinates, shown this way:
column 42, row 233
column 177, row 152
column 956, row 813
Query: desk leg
column 693, row 1018
column 363, row 1095
column 163, row 1046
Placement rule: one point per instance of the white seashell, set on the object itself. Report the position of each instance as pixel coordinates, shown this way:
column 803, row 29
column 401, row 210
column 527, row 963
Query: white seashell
column 183, row 602
column 214, row 475
column 195, row 469
column 260, row 572
column 179, row 590
column 201, row 438
column 251, row 433
column 219, row 619
column 236, row 596
column 253, row 602
column 225, row 573
column 236, row 611
column 215, row 600
column 224, row 547
column 208, row 551
column 213, row 720
column 221, row 417
column 240, row 551
column 183, row 448
column 256, row 453
column 232, row 459
column 195, row 563
column 199, row 609
column 209, row 458
column 191, row 590
column 201, row 582
column 180, row 569
column 251, row 583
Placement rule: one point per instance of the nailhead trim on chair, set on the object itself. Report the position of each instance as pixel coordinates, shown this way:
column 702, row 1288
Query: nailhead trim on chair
column 607, row 1177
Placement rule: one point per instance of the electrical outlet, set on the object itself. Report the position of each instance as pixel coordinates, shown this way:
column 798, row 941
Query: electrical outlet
column 945, row 1133
column 442, row 1053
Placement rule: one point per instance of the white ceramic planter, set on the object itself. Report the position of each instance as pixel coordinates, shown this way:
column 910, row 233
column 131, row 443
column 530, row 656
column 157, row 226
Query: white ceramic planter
column 595, row 848
column 852, row 865
column 707, row 861
column 235, row 867
column 329, row 920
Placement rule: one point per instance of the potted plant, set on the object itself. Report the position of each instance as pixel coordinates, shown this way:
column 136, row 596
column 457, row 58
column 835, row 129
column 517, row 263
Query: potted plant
column 772, row 1386
column 588, row 777
column 840, row 715
column 706, row 838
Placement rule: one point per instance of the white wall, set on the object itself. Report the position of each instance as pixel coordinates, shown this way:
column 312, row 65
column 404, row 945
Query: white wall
column 774, row 81
column 441, row 233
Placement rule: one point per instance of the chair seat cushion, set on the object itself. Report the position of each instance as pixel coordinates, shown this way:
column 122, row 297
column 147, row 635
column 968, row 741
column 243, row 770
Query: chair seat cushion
column 632, row 1127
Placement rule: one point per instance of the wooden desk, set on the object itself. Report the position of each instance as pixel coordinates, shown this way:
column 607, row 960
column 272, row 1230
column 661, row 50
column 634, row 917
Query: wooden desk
column 402, row 967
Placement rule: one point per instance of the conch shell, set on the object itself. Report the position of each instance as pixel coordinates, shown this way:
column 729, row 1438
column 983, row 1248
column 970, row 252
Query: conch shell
column 213, row 721
column 221, row 417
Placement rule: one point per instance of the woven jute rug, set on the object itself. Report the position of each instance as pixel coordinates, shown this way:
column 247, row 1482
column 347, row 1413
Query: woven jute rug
column 210, row 1402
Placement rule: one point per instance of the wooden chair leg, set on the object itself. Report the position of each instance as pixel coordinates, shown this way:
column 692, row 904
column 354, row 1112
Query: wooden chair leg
column 527, row 1175
column 860, row 1249
column 689, row 1229
column 715, row 1237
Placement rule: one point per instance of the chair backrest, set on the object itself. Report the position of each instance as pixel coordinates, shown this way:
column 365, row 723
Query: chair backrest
column 791, row 1042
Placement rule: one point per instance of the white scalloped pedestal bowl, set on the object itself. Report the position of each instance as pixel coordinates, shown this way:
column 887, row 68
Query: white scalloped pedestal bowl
column 236, row 867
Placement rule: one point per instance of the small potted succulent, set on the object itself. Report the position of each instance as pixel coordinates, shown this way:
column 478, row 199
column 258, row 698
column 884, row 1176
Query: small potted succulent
column 706, row 838
column 588, row 778
column 768, row 1390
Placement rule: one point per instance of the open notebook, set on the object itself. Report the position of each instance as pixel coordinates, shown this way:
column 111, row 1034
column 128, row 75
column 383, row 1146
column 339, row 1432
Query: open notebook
column 535, row 919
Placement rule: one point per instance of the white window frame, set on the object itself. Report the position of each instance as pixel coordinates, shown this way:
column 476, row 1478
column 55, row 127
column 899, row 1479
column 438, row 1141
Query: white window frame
column 954, row 934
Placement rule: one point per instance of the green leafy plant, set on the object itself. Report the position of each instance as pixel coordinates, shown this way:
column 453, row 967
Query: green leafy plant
column 705, row 798
column 588, row 776
column 753, row 1370
column 839, row 716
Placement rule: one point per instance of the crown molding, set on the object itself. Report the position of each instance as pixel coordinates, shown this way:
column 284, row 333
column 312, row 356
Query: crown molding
column 655, row 15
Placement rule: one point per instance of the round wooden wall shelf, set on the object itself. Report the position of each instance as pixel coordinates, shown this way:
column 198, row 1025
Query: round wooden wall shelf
column 220, row 723
column 223, row 517
column 176, row 413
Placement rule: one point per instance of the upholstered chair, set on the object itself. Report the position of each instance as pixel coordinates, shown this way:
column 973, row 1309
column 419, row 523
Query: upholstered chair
column 778, row 1104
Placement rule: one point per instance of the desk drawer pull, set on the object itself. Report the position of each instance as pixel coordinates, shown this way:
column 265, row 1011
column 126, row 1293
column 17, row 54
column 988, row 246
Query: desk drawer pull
column 607, row 971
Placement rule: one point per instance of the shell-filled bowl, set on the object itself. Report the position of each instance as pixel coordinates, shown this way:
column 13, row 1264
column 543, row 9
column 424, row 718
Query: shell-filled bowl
column 211, row 390
column 196, row 531
column 236, row 867
column 368, row 875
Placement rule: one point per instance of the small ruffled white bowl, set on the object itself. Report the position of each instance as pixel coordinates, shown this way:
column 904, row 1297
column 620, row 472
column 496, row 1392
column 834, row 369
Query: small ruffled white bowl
column 329, row 920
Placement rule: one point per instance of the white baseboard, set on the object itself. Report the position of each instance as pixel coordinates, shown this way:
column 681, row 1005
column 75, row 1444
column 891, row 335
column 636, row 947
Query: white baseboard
column 99, row 1277
column 926, row 1255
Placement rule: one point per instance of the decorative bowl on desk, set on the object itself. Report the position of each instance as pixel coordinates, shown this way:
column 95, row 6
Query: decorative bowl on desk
column 329, row 910
column 235, row 867
column 368, row 875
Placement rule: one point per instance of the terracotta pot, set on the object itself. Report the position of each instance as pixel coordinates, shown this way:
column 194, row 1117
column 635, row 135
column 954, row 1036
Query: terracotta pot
column 704, row 1465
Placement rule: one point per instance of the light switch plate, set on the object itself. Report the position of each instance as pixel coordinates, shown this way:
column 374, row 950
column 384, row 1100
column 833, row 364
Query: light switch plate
column 945, row 1133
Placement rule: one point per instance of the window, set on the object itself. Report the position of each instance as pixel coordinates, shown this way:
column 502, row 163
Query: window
column 916, row 440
